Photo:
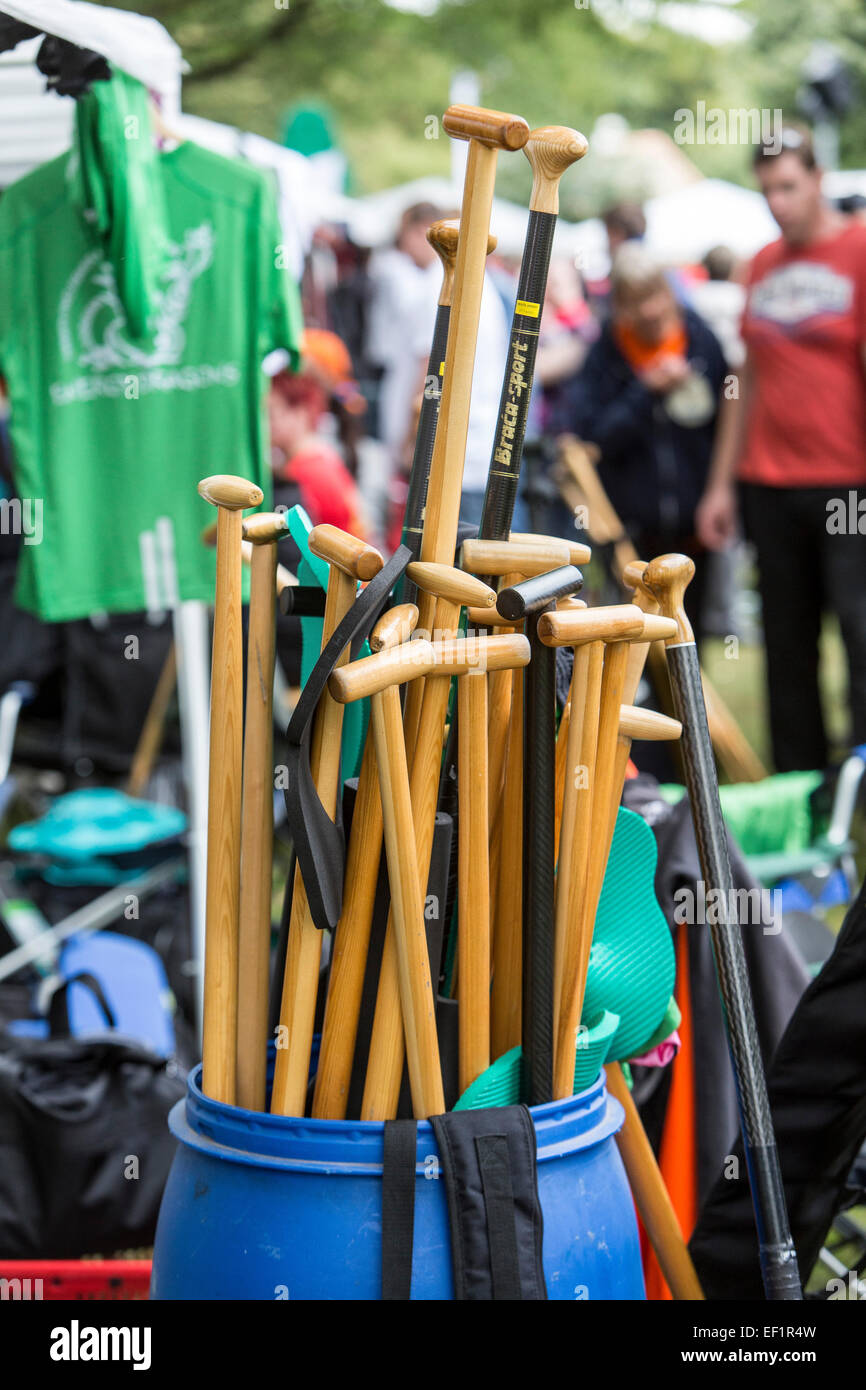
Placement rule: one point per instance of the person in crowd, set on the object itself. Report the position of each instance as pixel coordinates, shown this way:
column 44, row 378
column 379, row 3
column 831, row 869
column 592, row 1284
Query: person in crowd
column 794, row 438
column 309, row 469
column 648, row 398
column 623, row 222
column 719, row 300
column 398, row 305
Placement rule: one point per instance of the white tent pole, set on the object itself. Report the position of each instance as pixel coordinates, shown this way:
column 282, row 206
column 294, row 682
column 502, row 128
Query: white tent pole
column 192, row 646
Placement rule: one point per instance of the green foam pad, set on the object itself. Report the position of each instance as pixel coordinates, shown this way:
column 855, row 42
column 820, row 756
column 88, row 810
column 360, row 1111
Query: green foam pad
column 500, row 1083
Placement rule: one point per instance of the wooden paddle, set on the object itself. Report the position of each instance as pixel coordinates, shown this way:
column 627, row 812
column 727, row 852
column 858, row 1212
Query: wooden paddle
column 231, row 495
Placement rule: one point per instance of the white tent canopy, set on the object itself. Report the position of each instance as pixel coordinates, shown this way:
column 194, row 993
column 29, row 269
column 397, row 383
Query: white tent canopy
column 373, row 220
column 134, row 42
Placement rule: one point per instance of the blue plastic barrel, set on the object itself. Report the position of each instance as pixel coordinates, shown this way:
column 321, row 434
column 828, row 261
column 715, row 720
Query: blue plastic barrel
column 261, row 1206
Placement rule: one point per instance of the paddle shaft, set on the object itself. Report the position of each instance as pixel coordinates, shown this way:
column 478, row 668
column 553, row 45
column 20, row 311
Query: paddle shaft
column 219, row 1035
column 651, row 1195
column 417, row 996
column 257, row 832
column 502, row 480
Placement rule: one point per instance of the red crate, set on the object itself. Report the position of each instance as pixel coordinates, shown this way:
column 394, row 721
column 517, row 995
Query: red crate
column 76, row 1279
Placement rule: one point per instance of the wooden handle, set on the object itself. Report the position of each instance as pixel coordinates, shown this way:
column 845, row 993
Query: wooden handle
column 526, row 558
column 651, row 1196
column 667, row 578
column 265, row 528
column 407, row 908
column 456, row 656
column 633, row 578
column 394, row 627
column 219, row 1041
column 568, row 627
column 393, row 666
column 452, row 584
column 578, row 554
column 497, row 128
column 489, row 617
column 570, row 604
column 443, row 236
column 355, row 558
column 257, row 824
column 635, row 722
column 551, row 149
column 233, row 493
column 657, row 629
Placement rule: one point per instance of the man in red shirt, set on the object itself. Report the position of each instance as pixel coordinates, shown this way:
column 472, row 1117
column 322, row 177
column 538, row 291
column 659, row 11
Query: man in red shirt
column 795, row 442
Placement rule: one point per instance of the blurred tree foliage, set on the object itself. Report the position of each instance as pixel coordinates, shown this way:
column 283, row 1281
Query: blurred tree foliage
column 384, row 72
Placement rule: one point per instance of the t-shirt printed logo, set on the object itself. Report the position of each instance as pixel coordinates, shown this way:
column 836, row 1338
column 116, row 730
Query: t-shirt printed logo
column 93, row 331
column 91, row 322
column 799, row 292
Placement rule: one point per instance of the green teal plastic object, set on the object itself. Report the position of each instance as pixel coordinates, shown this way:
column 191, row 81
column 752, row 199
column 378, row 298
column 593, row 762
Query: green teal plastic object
column 500, row 1083
column 632, row 966
column 96, row 822
column 631, row 974
column 772, row 822
column 314, row 570
column 671, row 1021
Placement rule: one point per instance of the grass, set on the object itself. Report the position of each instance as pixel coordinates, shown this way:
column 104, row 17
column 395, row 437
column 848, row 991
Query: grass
column 739, row 674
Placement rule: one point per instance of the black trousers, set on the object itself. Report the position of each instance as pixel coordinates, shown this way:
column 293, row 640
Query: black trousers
column 805, row 569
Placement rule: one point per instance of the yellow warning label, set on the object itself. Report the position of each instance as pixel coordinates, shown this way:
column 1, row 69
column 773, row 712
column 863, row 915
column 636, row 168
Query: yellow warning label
column 525, row 306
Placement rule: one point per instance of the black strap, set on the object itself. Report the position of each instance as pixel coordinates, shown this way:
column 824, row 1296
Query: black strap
column 495, row 1168
column 489, row 1169
column 317, row 840
column 398, row 1208
column 58, row 1008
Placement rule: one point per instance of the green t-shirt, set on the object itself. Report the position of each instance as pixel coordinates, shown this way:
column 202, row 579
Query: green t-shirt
column 109, row 432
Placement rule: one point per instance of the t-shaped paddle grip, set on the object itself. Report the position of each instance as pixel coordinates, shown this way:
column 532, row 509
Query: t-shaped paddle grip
column 355, row 558
column 647, row 724
column 451, row 584
column 457, row 656
column 443, row 237
column 578, row 554
column 667, row 578
column 535, row 594
column 394, row 627
column 658, row 629
column 514, row 557
column 233, row 493
column 265, row 527
column 621, row 622
column 551, row 149
column 633, row 578
column 370, row 674
column 497, row 128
